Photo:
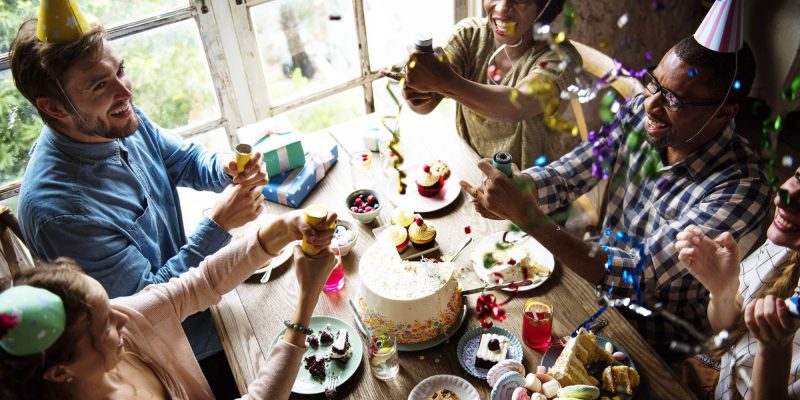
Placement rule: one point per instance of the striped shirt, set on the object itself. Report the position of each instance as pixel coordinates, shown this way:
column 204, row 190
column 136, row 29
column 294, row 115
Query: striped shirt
column 754, row 272
column 720, row 188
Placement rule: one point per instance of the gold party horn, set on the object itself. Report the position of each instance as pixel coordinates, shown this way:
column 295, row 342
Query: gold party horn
column 243, row 154
column 315, row 216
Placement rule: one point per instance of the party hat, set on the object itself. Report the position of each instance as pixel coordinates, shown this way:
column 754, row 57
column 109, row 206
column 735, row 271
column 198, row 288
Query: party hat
column 721, row 30
column 31, row 320
column 60, row 21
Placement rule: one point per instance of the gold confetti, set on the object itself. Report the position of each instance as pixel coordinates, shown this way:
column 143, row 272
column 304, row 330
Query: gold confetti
column 511, row 27
column 560, row 37
column 603, row 43
column 412, row 64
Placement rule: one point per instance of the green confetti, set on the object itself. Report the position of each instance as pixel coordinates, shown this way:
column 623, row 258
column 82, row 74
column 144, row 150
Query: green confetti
column 778, row 123
column 569, row 16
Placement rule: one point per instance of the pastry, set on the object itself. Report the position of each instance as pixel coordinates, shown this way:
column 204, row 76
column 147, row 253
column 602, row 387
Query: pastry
column 399, row 237
column 421, row 234
column 441, row 168
column 325, row 338
column 443, row 394
column 520, row 394
column 402, row 217
column 428, row 182
column 580, row 351
column 501, row 368
column 492, row 349
column 312, row 341
column 315, row 367
column 415, row 300
column 506, row 385
column 341, row 346
column 620, row 376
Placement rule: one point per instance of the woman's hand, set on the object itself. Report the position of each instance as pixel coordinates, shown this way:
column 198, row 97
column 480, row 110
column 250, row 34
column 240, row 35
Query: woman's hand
column 253, row 173
column 429, row 72
column 501, row 197
column 769, row 321
column 714, row 263
column 298, row 227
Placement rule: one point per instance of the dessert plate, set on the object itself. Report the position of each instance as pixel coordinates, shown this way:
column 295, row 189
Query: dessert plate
column 435, row 341
column 305, row 383
column 418, row 203
column 430, row 385
column 468, row 348
column 538, row 254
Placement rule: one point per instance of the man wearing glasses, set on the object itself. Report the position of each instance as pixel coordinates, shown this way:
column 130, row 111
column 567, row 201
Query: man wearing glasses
column 705, row 175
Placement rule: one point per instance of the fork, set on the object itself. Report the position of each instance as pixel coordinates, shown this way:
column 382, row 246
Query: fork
column 594, row 326
column 330, row 387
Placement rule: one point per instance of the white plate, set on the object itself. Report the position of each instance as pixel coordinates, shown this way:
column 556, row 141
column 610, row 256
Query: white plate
column 463, row 389
column 285, row 254
column 538, row 254
column 416, row 202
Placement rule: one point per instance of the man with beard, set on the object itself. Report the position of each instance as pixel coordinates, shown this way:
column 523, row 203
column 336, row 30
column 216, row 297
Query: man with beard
column 705, row 175
column 100, row 186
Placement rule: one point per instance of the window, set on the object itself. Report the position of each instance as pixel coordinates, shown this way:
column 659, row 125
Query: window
column 205, row 74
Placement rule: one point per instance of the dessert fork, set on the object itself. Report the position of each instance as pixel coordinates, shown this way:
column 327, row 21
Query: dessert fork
column 330, row 387
column 594, row 326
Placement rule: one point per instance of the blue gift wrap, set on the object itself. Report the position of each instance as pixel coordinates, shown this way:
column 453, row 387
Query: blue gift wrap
column 291, row 188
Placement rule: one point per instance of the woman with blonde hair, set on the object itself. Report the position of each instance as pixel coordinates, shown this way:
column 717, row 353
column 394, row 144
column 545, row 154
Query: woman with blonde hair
column 62, row 338
column 749, row 301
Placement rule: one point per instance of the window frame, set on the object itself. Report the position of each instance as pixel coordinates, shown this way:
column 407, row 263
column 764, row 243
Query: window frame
column 234, row 61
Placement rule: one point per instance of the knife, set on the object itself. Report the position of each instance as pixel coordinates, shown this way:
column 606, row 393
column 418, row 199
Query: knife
column 362, row 327
column 495, row 287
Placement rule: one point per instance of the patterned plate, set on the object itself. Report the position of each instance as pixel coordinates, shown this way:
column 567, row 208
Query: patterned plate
column 463, row 389
column 468, row 348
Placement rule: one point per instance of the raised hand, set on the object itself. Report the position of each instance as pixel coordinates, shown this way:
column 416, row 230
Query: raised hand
column 253, row 173
column 768, row 321
column 429, row 72
column 714, row 263
column 237, row 205
column 501, row 198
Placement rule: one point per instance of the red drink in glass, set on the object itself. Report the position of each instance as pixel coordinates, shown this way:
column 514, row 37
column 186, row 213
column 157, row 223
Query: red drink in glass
column 335, row 282
column 537, row 324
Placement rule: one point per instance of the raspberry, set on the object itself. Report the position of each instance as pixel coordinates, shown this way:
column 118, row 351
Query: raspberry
column 371, row 199
column 358, row 201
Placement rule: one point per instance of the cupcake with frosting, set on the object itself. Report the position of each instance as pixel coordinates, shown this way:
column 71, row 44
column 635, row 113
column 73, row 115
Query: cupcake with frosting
column 421, row 234
column 429, row 183
column 402, row 217
column 399, row 237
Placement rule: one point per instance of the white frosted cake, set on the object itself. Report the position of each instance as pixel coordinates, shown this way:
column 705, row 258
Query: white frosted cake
column 416, row 301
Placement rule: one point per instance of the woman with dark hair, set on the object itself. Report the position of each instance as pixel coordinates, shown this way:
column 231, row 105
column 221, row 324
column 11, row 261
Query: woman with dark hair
column 491, row 69
column 62, row 338
column 748, row 300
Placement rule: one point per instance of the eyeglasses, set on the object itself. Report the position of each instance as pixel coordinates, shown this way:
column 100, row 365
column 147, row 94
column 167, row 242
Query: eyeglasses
column 671, row 100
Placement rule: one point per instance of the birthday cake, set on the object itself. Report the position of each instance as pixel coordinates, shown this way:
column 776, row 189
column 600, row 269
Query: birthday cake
column 416, row 301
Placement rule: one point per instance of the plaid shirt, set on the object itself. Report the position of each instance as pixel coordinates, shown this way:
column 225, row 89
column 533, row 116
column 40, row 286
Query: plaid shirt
column 720, row 188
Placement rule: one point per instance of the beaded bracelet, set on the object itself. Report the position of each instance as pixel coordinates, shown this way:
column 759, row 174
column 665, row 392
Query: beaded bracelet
column 297, row 327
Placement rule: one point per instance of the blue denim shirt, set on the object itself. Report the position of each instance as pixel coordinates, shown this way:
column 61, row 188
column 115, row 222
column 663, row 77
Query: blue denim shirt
column 114, row 208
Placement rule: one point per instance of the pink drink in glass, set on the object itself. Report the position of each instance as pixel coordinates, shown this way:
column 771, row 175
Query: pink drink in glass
column 335, row 282
column 537, row 324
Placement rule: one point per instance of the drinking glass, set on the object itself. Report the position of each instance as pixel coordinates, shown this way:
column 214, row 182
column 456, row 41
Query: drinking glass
column 537, row 323
column 335, row 281
column 383, row 359
column 361, row 170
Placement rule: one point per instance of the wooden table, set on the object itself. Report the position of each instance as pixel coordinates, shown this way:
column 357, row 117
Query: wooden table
column 252, row 315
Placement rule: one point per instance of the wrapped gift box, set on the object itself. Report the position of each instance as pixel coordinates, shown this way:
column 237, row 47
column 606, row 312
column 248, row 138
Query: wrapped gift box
column 282, row 152
column 292, row 187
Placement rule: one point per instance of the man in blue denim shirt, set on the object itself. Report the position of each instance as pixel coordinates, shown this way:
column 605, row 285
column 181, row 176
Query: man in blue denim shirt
column 100, row 186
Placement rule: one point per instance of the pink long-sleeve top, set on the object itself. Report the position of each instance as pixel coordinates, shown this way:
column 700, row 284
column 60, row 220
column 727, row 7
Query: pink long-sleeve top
column 154, row 331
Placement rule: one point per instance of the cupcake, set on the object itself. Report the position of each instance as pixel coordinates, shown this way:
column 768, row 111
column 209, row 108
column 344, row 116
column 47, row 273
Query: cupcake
column 421, row 234
column 428, row 182
column 402, row 217
column 399, row 237
column 440, row 168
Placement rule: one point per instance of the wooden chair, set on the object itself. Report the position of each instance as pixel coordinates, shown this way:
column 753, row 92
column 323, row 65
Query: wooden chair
column 15, row 255
column 587, row 212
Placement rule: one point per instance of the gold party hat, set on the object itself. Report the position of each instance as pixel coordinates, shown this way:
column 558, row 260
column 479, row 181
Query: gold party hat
column 60, row 21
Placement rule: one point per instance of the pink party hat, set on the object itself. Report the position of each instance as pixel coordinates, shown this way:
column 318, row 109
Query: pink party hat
column 721, row 30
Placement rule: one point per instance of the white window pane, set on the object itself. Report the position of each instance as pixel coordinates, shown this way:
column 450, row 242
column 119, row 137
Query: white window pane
column 216, row 140
column 305, row 46
column 170, row 75
column 384, row 102
column 392, row 27
column 19, row 127
column 332, row 110
column 107, row 12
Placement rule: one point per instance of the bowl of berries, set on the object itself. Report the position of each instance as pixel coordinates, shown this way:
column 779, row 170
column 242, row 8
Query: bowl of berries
column 364, row 205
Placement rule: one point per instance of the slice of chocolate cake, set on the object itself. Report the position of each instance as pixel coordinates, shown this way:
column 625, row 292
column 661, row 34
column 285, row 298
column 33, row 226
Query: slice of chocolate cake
column 341, row 346
column 315, row 367
column 312, row 341
column 325, row 338
column 492, row 349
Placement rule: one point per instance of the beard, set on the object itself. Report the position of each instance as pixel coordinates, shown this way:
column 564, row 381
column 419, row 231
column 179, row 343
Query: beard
column 103, row 128
column 658, row 144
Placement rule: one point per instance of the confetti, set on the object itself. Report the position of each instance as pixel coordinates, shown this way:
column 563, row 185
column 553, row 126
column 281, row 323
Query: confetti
column 541, row 161
column 692, row 72
column 787, row 161
column 569, row 17
column 467, row 229
column 622, row 21
column 648, row 56
column 603, row 43
column 737, row 84
column 335, row 17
